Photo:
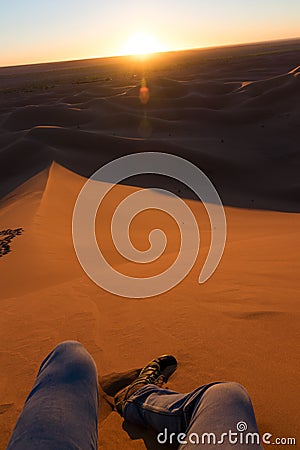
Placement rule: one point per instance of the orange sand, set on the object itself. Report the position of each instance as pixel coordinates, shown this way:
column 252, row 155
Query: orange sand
column 236, row 118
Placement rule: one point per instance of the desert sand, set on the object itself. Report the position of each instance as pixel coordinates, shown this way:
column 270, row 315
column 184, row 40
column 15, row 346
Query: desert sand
column 234, row 112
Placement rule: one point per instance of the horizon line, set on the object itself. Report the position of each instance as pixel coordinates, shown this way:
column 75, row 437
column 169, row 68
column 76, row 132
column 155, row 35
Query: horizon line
column 206, row 47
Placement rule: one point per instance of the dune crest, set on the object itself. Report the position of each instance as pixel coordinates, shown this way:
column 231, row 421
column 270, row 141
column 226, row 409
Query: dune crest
column 232, row 112
column 232, row 129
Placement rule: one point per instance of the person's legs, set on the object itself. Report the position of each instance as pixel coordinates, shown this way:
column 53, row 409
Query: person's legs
column 225, row 413
column 214, row 408
column 61, row 410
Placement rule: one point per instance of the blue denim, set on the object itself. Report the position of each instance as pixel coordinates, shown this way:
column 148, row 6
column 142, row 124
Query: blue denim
column 212, row 408
column 61, row 411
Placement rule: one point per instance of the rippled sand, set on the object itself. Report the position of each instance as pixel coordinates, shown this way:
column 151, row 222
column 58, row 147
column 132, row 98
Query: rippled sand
column 233, row 112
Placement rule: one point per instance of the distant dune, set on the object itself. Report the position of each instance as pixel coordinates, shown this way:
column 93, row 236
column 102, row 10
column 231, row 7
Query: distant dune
column 234, row 112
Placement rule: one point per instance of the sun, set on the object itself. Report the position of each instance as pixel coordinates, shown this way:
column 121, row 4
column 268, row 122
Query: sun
column 141, row 44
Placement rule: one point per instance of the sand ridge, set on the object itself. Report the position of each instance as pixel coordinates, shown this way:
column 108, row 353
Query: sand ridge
column 238, row 121
column 228, row 127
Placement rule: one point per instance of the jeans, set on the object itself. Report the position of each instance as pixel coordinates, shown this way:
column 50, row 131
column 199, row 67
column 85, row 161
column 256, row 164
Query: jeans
column 61, row 411
column 198, row 419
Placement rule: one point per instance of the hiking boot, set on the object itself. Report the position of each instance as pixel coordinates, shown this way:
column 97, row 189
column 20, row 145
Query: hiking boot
column 156, row 372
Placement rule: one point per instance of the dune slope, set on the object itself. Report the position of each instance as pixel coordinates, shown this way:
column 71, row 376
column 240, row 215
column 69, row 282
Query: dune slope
column 236, row 119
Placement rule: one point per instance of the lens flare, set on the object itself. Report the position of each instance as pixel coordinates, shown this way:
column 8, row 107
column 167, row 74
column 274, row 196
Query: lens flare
column 144, row 93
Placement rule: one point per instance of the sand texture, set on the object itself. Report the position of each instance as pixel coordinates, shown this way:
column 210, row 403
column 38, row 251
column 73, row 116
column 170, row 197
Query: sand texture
column 233, row 112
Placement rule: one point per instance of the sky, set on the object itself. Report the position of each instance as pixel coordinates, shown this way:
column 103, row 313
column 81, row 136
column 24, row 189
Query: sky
column 34, row 31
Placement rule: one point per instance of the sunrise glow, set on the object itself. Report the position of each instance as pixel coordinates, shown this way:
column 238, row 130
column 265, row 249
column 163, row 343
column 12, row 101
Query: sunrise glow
column 142, row 44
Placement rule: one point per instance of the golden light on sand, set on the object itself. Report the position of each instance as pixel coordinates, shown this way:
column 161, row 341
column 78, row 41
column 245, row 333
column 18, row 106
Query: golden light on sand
column 142, row 44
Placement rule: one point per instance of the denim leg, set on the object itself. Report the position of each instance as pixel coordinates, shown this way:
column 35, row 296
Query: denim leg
column 61, row 410
column 159, row 408
column 212, row 408
column 223, row 408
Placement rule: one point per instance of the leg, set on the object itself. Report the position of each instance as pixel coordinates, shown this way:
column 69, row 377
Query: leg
column 224, row 408
column 214, row 408
column 60, row 412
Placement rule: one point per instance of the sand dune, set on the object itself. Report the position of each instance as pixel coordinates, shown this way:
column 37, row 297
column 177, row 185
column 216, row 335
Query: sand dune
column 226, row 126
column 235, row 119
column 33, row 115
column 53, row 300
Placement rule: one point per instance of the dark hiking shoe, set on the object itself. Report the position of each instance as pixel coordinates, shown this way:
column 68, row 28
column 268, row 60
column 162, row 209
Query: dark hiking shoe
column 156, row 372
